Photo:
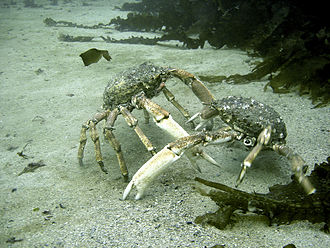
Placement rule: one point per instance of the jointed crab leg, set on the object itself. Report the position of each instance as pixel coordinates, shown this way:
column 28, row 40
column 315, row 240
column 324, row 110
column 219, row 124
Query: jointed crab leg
column 83, row 141
column 262, row 140
column 296, row 161
column 171, row 98
column 144, row 176
column 133, row 122
column 200, row 90
column 197, row 86
column 164, row 120
column 297, row 167
column 90, row 124
column 96, row 139
column 169, row 154
column 146, row 116
column 114, row 142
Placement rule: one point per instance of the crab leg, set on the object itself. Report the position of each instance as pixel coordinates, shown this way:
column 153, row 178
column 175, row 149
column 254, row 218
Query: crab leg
column 96, row 139
column 200, row 90
column 196, row 85
column 169, row 154
column 90, row 124
column 82, row 143
column 262, row 140
column 164, row 120
column 133, row 122
column 297, row 166
column 114, row 142
column 146, row 116
column 158, row 163
column 144, row 176
column 171, row 98
column 296, row 161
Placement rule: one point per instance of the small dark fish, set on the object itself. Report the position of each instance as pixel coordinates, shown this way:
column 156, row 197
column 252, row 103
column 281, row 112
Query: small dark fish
column 31, row 167
column 94, row 55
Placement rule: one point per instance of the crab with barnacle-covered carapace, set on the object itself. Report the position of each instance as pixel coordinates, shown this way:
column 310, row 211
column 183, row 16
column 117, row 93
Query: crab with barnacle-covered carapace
column 254, row 123
column 133, row 89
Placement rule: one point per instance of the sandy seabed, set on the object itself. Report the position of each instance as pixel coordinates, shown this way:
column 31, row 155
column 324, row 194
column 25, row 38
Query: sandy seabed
column 46, row 94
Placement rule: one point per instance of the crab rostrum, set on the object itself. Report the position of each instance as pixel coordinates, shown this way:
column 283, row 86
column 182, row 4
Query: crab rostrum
column 133, row 89
column 256, row 124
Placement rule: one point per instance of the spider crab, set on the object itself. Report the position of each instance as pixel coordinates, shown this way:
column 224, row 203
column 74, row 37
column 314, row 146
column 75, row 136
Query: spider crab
column 133, row 89
column 257, row 125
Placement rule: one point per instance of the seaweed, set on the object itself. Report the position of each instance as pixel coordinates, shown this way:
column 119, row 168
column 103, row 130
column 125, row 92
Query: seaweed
column 282, row 205
column 137, row 22
column 292, row 37
column 52, row 23
column 70, row 38
column 188, row 42
column 31, row 167
column 133, row 40
column 303, row 74
column 31, row 4
column 93, row 55
column 294, row 69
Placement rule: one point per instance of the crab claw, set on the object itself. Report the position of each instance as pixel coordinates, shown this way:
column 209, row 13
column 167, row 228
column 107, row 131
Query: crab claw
column 205, row 116
column 209, row 158
column 150, row 170
column 159, row 162
column 172, row 152
column 203, row 122
column 195, row 116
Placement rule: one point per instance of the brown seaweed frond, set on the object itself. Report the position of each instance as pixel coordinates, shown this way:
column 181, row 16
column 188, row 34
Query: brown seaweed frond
column 282, row 205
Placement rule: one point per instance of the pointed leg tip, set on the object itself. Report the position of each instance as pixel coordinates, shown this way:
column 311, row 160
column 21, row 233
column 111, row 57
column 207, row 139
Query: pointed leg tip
column 191, row 119
column 101, row 164
column 311, row 191
column 125, row 194
column 212, row 161
column 125, row 177
column 80, row 161
column 240, row 176
column 198, row 127
column 209, row 158
column 307, row 185
column 237, row 183
column 127, row 190
column 202, row 124
column 138, row 196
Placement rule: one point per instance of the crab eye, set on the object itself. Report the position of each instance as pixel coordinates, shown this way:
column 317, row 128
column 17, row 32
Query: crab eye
column 248, row 142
